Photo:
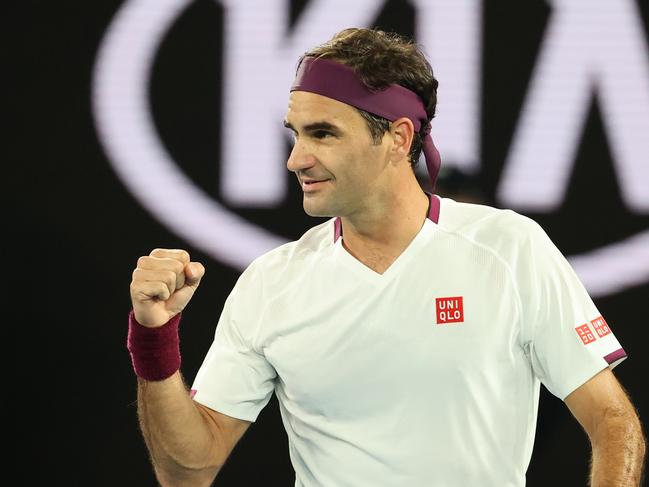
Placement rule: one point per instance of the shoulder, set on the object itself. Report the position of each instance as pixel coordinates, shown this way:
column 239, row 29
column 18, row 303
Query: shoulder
column 311, row 244
column 502, row 231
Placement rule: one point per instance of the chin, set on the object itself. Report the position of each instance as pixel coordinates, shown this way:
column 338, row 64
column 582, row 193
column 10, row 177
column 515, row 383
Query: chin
column 317, row 210
column 314, row 213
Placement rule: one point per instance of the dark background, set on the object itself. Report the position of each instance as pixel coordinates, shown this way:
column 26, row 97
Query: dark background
column 74, row 234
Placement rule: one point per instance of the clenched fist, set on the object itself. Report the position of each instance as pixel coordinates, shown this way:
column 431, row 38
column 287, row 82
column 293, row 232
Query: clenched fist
column 163, row 283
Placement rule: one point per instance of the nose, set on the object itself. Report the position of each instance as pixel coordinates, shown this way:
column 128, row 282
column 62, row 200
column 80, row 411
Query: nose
column 300, row 158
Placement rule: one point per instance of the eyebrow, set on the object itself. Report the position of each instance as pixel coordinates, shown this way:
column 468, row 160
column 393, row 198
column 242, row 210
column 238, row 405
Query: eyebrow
column 312, row 127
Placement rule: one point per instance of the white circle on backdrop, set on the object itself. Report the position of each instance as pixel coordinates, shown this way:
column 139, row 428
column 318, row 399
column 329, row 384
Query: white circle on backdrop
column 129, row 137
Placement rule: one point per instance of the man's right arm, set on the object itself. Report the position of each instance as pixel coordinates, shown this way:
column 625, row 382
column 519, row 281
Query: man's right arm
column 187, row 441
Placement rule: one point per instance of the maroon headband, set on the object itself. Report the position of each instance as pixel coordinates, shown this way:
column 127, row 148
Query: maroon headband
column 340, row 82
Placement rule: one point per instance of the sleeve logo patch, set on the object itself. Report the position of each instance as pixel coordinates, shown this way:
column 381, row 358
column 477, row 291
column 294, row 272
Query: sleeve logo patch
column 601, row 327
column 585, row 334
column 449, row 310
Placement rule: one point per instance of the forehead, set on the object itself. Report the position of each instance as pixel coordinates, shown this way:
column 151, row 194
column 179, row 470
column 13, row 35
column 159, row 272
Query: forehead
column 304, row 107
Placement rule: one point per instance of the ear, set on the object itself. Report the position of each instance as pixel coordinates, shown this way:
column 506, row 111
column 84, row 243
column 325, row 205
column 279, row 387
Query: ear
column 402, row 131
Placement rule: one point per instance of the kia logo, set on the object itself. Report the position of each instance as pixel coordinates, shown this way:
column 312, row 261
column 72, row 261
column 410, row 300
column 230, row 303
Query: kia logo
column 575, row 63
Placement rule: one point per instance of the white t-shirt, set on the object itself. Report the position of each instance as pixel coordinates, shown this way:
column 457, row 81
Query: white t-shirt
column 427, row 374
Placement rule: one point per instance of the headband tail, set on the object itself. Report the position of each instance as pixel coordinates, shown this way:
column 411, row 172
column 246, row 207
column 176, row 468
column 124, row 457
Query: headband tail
column 433, row 159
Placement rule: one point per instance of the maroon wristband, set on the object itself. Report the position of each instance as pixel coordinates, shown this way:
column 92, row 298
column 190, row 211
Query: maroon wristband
column 155, row 352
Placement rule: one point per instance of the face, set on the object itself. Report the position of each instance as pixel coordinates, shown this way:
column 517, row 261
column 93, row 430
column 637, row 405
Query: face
column 339, row 168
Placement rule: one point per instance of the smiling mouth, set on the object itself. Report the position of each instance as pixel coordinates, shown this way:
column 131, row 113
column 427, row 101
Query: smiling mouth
column 308, row 186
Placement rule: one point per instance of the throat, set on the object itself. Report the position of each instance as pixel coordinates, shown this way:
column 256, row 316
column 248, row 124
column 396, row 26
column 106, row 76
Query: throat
column 373, row 259
column 378, row 245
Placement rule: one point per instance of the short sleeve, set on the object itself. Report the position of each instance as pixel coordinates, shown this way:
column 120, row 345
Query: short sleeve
column 235, row 379
column 569, row 339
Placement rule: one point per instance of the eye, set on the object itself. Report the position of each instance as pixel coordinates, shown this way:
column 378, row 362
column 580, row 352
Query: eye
column 321, row 134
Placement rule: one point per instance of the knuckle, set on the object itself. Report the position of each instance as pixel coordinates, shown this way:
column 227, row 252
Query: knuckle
column 169, row 278
column 179, row 267
column 136, row 288
column 140, row 275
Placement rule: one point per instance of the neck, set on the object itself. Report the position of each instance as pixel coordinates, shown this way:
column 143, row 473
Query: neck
column 388, row 224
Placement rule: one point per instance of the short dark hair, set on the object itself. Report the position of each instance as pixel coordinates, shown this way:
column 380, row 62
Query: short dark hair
column 380, row 59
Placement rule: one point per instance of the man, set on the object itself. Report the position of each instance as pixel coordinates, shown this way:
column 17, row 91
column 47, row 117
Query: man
column 406, row 337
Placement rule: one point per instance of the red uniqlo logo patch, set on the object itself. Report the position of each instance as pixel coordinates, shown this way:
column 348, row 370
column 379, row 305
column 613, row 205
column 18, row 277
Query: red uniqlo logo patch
column 601, row 327
column 585, row 334
column 449, row 310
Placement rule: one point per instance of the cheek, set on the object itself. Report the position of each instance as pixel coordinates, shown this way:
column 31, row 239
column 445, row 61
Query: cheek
column 347, row 168
column 367, row 161
column 349, row 165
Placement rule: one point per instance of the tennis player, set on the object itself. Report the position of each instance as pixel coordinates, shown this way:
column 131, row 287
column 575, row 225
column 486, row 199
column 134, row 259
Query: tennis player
column 406, row 337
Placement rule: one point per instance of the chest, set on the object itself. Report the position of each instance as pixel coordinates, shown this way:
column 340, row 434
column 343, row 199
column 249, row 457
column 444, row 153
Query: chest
column 342, row 346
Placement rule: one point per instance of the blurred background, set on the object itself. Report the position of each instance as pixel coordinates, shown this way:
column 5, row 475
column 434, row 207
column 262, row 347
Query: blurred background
column 158, row 123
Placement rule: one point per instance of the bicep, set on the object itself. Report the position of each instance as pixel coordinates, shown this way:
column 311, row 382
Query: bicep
column 602, row 396
column 227, row 429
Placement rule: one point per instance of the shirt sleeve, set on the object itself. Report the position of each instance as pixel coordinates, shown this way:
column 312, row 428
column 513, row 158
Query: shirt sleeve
column 569, row 339
column 235, row 378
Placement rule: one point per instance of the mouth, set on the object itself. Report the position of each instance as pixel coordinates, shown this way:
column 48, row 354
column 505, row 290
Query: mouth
column 313, row 185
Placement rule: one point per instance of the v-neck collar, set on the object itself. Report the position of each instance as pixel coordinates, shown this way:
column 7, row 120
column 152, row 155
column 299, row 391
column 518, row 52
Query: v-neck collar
column 433, row 215
column 344, row 257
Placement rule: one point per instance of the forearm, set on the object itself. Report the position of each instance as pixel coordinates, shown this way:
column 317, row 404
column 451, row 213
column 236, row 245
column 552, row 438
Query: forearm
column 618, row 453
column 183, row 449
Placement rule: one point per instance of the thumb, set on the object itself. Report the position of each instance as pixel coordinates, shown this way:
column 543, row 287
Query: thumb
column 193, row 273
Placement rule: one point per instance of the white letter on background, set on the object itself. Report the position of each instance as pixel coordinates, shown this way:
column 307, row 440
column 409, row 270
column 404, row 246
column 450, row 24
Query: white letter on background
column 260, row 62
column 451, row 34
column 591, row 47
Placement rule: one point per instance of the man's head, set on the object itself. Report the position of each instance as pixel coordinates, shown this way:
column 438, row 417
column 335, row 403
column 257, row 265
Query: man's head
column 361, row 152
column 381, row 59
